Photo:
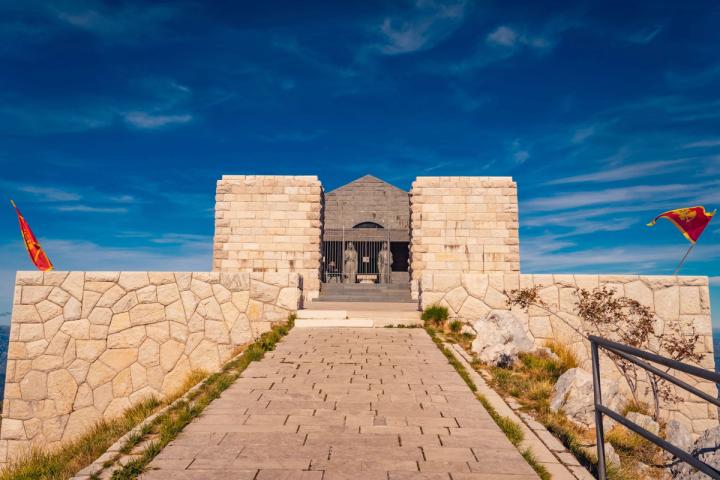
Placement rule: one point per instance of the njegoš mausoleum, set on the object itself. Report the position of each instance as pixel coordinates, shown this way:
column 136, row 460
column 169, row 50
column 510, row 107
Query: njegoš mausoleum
column 87, row 345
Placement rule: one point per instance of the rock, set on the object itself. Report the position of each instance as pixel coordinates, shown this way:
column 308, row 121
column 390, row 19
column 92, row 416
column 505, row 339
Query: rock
column 610, row 455
column 644, row 421
column 501, row 337
column 467, row 329
column 573, row 394
column 707, row 449
column 678, row 433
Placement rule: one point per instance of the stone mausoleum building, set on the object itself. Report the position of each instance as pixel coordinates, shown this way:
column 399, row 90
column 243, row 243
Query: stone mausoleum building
column 87, row 345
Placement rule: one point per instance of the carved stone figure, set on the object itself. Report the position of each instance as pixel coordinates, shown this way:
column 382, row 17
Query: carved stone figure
column 384, row 261
column 350, row 265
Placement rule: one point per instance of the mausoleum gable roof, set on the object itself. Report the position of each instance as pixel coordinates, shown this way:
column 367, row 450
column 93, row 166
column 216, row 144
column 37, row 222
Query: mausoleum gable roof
column 367, row 180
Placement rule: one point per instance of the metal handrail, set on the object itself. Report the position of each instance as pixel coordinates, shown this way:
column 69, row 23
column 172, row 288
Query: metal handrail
column 634, row 355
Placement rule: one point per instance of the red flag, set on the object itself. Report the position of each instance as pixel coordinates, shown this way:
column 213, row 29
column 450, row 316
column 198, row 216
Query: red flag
column 37, row 254
column 690, row 221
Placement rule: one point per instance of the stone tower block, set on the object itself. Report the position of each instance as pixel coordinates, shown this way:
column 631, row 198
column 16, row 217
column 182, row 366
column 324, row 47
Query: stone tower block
column 266, row 223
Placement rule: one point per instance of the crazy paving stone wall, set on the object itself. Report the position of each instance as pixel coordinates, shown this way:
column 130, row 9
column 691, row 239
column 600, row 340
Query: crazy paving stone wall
column 267, row 223
column 679, row 303
column 88, row 345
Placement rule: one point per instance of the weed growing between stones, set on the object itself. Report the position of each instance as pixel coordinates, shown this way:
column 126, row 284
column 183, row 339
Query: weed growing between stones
column 169, row 424
column 511, row 429
column 436, row 315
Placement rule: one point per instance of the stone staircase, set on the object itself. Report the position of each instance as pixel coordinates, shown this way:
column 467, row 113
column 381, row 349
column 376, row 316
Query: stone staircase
column 359, row 292
column 358, row 314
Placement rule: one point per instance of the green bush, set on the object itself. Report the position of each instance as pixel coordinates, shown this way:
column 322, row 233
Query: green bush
column 435, row 314
column 455, row 326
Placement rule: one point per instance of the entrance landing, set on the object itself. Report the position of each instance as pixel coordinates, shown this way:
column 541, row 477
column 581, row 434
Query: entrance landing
column 332, row 404
column 358, row 314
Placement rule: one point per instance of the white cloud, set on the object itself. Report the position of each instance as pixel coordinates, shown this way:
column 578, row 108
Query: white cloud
column 583, row 134
column 427, row 24
column 122, row 23
column 703, row 144
column 146, row 120
column 504, row 36
column 518, row 152
column 49, row 194
column 636, row 259
column 635, row 193
column 626, row 172
column 90, row 209
column 646, row 35
column 715, row 282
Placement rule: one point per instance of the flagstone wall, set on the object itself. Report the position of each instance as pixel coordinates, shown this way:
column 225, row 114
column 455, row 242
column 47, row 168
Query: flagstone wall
column 682, row 302
column 463, row 224
column 269, row 223
column 87, row 345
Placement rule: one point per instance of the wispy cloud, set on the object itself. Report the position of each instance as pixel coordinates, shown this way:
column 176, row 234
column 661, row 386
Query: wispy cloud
column 626, row 172
column 582, row 134
column 715, row 282
column 635, row 259
column 293, row 137
column 148, row 120
column 703, row 144
column 423, row 27
column 507, row 37
column 518, row 152
column 49, row 194
column 634, row 193
column 646, row 35
column 90, row 209
column 119, row 22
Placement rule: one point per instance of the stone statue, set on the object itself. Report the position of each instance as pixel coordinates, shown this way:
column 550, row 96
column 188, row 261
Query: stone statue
column 384, row 262
column 350, row 264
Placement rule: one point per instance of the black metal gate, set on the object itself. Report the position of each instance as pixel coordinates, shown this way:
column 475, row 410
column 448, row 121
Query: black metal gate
column 362, row 254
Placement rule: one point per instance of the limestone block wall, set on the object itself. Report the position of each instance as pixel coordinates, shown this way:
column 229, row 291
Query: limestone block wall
column 676, row 301
column 269, row 224
column 87, row 345
column 463, row 224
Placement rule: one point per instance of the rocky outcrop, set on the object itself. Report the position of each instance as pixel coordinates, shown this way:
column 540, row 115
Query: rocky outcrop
column 706, row 449
column 644, row 421
column 500, row 338
column 678, row 434
column 573, row 394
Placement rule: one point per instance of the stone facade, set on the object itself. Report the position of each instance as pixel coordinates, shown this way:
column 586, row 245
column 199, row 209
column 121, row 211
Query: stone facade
column 676, row 301
column 367, row 199
column 463, row 224
column 267, row 223
column 88, row 345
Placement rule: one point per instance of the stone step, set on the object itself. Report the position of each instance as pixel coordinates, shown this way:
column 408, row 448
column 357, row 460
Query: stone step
column 357, row 315
column 364, row 298
column 364, row 286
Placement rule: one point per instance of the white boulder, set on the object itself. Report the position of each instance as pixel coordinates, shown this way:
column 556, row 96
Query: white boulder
column 644, row 421
column 500, row 338
column 707, row 449
column 573, row 394
column 679, row 434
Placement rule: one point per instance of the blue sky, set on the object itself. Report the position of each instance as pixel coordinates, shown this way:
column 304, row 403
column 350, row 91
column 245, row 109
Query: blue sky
column 117, row 118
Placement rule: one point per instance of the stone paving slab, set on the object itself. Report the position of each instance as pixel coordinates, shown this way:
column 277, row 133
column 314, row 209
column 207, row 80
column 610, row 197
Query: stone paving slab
column 333, row 404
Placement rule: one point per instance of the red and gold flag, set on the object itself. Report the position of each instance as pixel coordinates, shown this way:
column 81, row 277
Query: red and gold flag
column 690, row 221
column 37, row 254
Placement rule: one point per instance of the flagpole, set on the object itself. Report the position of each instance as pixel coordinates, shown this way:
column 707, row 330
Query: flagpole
column 683, row 259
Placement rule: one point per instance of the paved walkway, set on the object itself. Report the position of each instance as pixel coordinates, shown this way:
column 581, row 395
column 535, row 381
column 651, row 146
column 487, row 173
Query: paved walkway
column 334, row 404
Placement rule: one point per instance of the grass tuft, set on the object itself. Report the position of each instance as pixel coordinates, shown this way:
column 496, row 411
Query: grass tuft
column 435, row 314
column 64, row 462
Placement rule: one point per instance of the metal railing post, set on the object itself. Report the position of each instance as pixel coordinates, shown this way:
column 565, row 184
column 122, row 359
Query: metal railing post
column 597, row 394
